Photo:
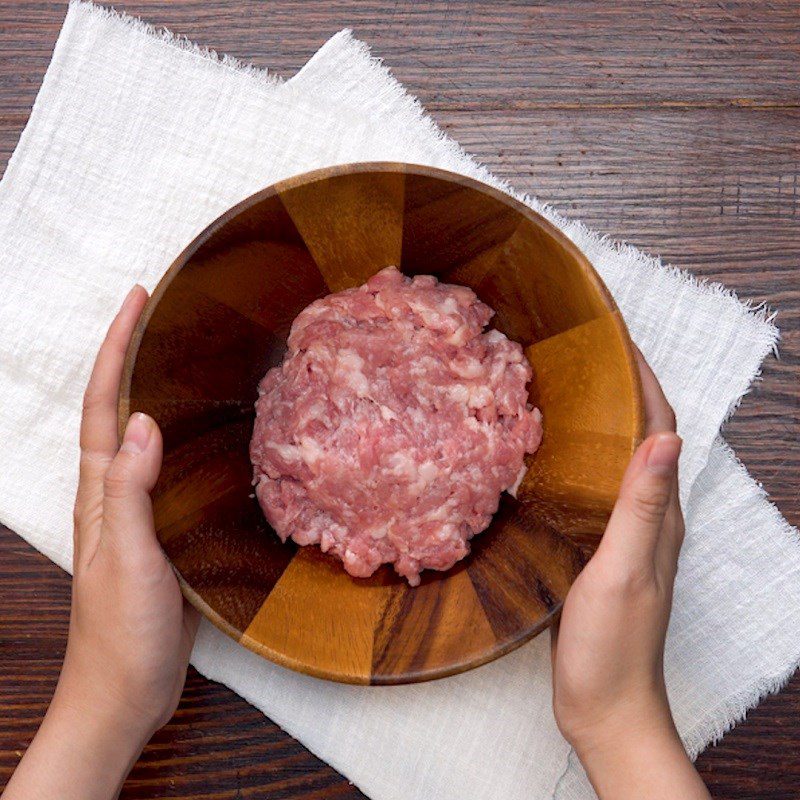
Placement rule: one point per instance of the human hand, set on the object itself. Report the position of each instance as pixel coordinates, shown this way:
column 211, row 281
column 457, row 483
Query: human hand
column 609, row 696
column 130, row 631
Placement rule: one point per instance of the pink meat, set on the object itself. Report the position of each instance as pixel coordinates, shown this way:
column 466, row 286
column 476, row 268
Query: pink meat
column 393, row 425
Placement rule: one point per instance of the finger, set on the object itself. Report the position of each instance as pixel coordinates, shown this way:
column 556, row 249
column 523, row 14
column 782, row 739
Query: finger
column 633, row 532
column 671, row 541
column 659, row 415
column 659, row 418
column 127, row 510
column 98, row 437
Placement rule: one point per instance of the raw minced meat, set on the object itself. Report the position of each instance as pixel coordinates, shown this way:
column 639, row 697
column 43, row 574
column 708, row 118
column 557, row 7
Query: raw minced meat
column 393, row 425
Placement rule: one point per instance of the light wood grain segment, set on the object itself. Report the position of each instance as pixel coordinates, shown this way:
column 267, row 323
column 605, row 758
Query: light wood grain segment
column 352, row 224
column 319, row 619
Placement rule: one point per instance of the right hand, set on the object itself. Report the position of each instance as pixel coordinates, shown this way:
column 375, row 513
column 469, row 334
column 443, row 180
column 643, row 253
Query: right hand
column 609, row 695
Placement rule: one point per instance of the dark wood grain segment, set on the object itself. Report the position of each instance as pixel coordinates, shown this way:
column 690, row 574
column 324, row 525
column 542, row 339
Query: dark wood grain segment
column 673, row 125
column 181, row 418
column 441, row 622
column 539, row 303
column 185, row 369
column 256, row 558
column 516, row 529
column 267, row 244
column 448, row 228
column 201, row 491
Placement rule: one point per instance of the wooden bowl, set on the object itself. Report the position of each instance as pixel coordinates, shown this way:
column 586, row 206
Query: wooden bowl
column 219, row 319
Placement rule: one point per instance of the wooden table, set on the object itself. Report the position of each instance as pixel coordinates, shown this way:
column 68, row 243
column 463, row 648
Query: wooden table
column 674, row 125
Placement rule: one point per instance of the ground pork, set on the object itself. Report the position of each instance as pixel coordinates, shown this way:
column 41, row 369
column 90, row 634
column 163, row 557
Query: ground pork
column 393, row 425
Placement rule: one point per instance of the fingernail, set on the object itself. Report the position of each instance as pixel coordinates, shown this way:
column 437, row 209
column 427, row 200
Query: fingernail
column 664, row 452
column 137, row 433
column 130, row 295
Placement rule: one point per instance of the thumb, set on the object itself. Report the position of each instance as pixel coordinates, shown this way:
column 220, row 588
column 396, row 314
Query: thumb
column 645, row 495
column 127, row 510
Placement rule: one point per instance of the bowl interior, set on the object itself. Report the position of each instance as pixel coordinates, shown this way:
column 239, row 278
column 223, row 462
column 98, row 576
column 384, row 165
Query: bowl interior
column 219, row 319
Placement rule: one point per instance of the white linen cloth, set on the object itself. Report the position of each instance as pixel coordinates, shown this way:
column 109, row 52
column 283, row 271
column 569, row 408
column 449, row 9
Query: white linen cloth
column 136, row 142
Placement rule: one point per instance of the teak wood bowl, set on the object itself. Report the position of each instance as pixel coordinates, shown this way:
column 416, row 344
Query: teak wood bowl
column 219, row 319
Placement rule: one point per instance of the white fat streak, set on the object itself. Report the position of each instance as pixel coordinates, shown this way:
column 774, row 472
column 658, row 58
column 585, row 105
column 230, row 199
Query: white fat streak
column 446, row 532
column 310, row 451
column 402, row 465
column 318, row 410
column 288, row 452
column 458, row 393
column 480, row 396
column 449, row 305
column 428, row 471
column 430, row 316
column 350, row 365
column 459, row 336
column 467, row 368
column 386, row 413
column 512, row 490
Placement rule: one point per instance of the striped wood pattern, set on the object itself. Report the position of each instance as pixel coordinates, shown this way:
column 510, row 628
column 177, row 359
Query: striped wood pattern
column 219, row 320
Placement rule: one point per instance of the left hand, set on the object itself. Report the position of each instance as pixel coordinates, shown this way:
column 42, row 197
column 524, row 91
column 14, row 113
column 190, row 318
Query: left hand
column 130, row 631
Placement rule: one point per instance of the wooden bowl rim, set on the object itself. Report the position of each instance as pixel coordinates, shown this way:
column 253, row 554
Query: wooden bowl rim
column 314, row 176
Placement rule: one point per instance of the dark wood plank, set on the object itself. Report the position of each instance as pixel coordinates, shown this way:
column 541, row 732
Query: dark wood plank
column 673, row 125
column 486, row 56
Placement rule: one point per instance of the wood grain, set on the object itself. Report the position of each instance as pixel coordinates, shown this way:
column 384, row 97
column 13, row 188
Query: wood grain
column 673, row 125
column 200, row 349
column 570, row 491
column 348, row 248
